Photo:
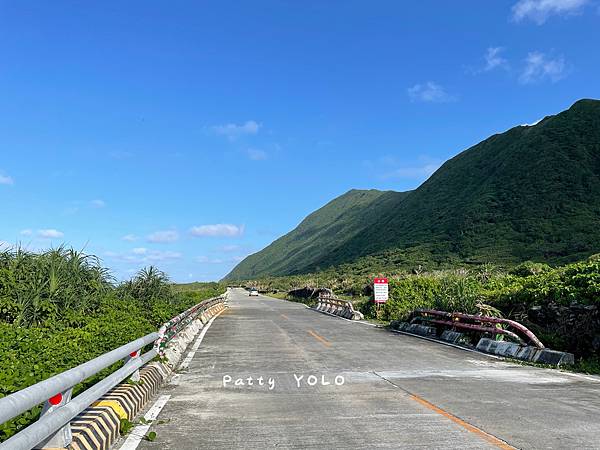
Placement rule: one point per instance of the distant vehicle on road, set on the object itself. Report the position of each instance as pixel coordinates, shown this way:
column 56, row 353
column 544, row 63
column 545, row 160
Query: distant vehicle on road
column 253, row 292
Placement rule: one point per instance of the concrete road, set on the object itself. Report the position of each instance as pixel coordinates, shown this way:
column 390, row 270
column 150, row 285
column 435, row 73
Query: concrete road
column 398, row 391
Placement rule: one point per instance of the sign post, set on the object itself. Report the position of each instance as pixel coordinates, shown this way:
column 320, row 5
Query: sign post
column 380, row 292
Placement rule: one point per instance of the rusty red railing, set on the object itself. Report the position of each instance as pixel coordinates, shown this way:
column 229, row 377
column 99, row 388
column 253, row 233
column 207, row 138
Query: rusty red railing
column 483, row 324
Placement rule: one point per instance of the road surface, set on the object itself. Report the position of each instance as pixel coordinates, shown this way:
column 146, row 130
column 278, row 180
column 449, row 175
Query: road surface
column 392, row 391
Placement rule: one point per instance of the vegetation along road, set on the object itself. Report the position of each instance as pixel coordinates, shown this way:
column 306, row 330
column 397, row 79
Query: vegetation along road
column 371, row 389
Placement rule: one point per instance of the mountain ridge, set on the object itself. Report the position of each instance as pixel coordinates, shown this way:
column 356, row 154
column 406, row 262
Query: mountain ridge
column 342, row 217
column 531, row 192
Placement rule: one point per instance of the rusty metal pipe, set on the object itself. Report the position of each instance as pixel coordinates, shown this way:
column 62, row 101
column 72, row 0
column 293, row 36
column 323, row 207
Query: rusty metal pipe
column 511, row 323
column 491, row 330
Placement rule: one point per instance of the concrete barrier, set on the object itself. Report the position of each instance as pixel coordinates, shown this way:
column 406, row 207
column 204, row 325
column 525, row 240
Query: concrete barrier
column 400, row 326
column 338, row 307
column 491, row 346
column 452, row 336
column 414, row 328
column 554, row 357
column 421, row 330
column 524, row 352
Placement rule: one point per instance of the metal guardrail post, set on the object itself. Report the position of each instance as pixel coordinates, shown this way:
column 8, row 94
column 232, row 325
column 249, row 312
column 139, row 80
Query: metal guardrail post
column 135, row 376
column 63, row 437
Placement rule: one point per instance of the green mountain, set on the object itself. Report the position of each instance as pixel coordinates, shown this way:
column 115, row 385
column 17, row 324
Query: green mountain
column 322, row 232
column 531, row 193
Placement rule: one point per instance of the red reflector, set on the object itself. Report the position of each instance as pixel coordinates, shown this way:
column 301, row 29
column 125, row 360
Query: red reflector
column 55, row 400
column 133, row 354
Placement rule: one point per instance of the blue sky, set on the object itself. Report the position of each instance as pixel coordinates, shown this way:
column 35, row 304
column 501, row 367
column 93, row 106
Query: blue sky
column 190, row 134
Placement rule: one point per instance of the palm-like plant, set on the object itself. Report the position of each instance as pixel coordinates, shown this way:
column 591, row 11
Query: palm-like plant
column 50, row 284
column 149, row 284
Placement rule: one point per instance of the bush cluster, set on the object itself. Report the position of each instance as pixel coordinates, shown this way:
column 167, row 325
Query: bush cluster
column 60, row 308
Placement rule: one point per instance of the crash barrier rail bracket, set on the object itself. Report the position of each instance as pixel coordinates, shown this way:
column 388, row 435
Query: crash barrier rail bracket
column 52, row 429
column 338, row 307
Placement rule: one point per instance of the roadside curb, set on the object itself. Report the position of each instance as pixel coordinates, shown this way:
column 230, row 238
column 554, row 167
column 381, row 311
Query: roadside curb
column 448, row 344
column 525, row 353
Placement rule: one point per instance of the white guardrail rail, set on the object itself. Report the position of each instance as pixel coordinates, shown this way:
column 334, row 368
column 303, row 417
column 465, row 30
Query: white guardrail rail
column 52, row 429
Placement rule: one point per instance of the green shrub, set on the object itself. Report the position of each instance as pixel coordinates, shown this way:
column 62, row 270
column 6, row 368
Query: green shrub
column 529, row 268
column 59, row 309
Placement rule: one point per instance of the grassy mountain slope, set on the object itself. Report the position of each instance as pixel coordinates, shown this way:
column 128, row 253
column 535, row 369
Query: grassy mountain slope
column 320, row 233
column 532, row 192
column 529, row 193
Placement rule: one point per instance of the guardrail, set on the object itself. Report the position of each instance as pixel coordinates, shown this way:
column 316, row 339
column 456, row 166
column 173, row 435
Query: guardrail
column 518, row 332
column 177, row 323
column 429, row 323
column 338, row 307
column 52, row 429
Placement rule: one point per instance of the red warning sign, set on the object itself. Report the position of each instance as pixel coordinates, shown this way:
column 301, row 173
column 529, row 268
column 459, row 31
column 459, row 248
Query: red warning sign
column 381, row 290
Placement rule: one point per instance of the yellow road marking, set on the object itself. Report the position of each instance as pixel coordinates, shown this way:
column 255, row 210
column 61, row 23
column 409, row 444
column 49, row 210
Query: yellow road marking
column 488, row 437
column 321, row 339
column 285, row 317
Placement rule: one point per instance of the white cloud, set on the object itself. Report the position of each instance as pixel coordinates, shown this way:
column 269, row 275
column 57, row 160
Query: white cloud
column 256, row 154
column 232, row 130
column 429, row 92
column 130, row 237
column 220, row 229
column 26, row 232
column 163, row 236
column 50, row 233
column 98, row 203
column 5, row 179
column 539, row 10
column 144, row 256
column 493, row 59
column 539, row 67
